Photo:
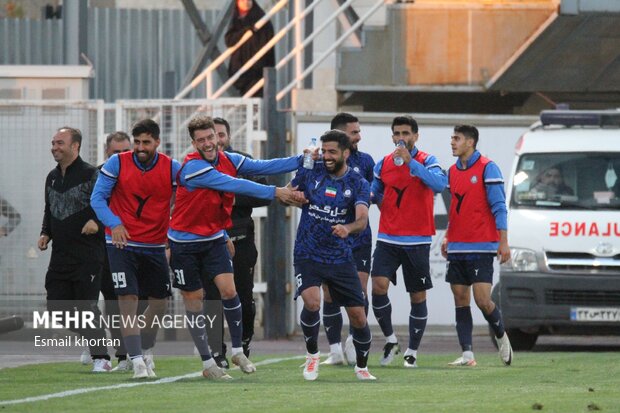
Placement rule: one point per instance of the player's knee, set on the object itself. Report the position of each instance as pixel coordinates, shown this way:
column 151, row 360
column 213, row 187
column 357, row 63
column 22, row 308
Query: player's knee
column 312, row 304
column 192, row 300
column 380, row 285
column 127, row 297
column 485, row 304
column 417, row 298
column 158, row 305
column 358, row 319
column 228, row 292
column 461, row 300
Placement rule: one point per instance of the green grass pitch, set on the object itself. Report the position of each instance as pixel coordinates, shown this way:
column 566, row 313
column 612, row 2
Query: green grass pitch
column 548, row 382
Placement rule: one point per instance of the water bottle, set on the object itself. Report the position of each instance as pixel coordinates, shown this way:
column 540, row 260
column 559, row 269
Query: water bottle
column 398, row 160
column 308, row 160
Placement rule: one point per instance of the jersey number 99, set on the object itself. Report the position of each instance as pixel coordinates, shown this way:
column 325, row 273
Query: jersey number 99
column 119, row 280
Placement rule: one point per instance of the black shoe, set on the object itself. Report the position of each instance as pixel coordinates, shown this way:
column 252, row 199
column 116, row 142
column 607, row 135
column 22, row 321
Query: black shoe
column 389, row 351
column 410, row 362
column 221, row 361
column 246, row 349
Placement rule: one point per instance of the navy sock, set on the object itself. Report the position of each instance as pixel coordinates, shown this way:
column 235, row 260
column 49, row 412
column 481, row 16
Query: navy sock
column 382, row 308
column 417, row 324
column 464, row 327
column 133, row 346
column 361, row 341
column 233, row 314
column 197, row 328
column 495, row 321
column 148, row 338
column 365, row 311
column 310, row 322
column 332, row 322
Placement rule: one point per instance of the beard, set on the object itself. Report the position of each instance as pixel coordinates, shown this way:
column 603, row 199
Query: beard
column 337, row 166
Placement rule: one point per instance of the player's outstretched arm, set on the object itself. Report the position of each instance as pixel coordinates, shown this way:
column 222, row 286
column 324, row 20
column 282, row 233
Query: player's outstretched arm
column 290, row 196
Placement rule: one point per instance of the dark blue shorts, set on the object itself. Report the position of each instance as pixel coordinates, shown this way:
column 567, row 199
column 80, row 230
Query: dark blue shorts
column 414, row 259
column 139, row 271
column 193, row 263
column 361, row 257
column 341, row 279
column 468, row 272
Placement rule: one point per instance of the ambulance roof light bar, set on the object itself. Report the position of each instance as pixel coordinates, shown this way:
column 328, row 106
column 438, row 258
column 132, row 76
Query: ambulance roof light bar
column 570, row 118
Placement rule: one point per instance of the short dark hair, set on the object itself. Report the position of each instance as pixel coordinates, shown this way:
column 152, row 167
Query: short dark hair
column 76, row 135
column 148, row 126
column 337, row 136
column 469, row 131
column 117, row 136
column 340, row 120
column 199, row 123
column 405, row 120
column 222, row 121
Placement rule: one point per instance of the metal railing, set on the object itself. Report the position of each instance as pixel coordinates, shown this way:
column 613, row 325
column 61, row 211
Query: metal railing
column 207, row 73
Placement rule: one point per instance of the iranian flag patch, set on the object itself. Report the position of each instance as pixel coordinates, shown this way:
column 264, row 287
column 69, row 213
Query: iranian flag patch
column 330, row 192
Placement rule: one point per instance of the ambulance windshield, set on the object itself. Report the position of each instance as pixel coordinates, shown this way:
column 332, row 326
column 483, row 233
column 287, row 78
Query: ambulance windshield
column 567, row 181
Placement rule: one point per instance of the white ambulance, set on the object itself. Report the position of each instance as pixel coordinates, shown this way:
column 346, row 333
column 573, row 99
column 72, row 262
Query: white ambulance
column 563, row 229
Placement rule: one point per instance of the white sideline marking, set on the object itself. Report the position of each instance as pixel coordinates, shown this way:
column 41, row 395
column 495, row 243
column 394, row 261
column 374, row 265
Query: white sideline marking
column 164, row 380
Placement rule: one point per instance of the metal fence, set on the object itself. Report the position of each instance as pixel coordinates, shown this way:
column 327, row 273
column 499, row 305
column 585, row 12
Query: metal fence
column 132, row 50
column 26, row 129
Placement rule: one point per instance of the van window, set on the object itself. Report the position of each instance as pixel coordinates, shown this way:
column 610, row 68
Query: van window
column 567, row 181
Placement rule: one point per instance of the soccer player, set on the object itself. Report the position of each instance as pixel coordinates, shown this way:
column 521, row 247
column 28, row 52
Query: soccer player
column 337, row 207
column 138, row 186
column 242, row 235
column 363, row 164
column 199, row 245
column 405, row 195
column 116, row 142
column 74, row 272
column 477, row 231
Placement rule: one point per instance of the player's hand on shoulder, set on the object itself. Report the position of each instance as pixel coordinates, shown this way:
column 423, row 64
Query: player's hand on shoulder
column 340, row 230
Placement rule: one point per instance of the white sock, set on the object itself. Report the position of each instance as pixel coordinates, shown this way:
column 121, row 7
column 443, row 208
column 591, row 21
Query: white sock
column 208, row 363
column 237, row 350
column 468, row 355
column 410, row 352
column 391, row 338
column 335, row 348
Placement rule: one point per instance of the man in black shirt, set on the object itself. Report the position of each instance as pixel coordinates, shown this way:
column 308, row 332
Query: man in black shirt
column 74, row 272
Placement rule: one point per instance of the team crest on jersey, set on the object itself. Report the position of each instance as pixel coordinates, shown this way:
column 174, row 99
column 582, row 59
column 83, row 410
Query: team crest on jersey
column 330, row 192
column 356, row 169
column 474, row 179
column 347, row 193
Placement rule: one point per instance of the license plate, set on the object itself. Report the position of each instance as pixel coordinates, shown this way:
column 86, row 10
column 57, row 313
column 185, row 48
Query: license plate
column 595, row 314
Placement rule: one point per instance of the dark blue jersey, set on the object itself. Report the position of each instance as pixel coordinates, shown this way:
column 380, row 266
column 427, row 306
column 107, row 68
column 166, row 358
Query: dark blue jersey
column 363, row 164
column 332, row 201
